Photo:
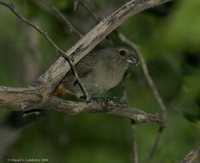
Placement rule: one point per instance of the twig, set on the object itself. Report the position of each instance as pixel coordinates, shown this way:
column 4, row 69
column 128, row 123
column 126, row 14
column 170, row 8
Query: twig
column 55, row 73
column 25, row 99
column 62, row 17
column 192, row 156
column 45, row 35
column 104, row 105
column 134, row 144
column 155, row 145
column 135, row 47
column 124, row 97
column 33, row 97
column 134, row 152
column 146, row 72
column 31, row 57
column 149, row 80
column 94, row 15
column 153, row 88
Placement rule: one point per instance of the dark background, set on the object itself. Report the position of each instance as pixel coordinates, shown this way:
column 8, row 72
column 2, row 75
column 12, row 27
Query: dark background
column 169, row 38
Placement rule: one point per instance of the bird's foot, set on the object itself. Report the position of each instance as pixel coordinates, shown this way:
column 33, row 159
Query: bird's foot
column 107, row 101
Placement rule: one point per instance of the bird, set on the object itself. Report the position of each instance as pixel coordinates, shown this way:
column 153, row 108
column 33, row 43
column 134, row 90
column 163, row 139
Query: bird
column 98, row 71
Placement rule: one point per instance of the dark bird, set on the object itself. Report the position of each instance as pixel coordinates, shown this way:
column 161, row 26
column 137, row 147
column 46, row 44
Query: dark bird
column 98, row 71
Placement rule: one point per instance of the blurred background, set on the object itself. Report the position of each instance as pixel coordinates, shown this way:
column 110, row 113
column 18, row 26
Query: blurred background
column 169, row 38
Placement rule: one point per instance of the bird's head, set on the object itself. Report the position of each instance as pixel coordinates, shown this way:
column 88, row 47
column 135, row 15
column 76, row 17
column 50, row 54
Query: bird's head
column 130, row 55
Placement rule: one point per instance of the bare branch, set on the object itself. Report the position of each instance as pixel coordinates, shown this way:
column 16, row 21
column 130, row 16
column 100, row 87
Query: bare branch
column 124, row 39
column 134, row 144
column 146, row 73
column 40, row 94
column 93, row 14
column 153, row 88
column 192, row 156
column 55, row 73
column 24, row 99
column 61, row 52
column 134, row 154
column 31, row 57
column 20, row 99
column 104, row 105
column 62, row 17
column 134, row 151
column 96, row 17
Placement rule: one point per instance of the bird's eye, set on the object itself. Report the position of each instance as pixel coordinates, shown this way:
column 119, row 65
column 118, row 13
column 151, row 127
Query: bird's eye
column 122, row 52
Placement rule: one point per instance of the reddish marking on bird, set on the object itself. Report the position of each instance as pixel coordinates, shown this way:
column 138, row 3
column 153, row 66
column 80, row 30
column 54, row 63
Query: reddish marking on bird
column 60, row 90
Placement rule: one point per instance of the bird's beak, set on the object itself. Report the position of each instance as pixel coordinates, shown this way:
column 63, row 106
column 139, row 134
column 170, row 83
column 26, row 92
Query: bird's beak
column 133, row 60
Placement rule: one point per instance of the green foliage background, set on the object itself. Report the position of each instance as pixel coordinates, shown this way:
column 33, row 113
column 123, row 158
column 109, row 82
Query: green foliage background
column 169, row 38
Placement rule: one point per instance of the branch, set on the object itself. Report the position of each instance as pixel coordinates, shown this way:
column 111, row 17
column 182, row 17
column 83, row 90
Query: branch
column 146, row 73
column 104, row 105
column 150, row 81
column 40, row 94
column 192, row 156
column 56, row 72
column 124, row 39
column 24, row 99
column 62, row 17
column 134, row 144
column 20, row 99
column 154, row 90
column 48, row 38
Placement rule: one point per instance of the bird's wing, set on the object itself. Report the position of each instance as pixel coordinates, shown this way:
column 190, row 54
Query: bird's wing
column 83, row 68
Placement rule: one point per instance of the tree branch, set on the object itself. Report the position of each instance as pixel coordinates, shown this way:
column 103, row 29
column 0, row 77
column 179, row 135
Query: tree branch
column 48, row 38
column 150, row 81
column 20, row 99
column 56, row 72
column 192, row 156
column 104, row 105
column 24, row 99
column 40, row 94
column 61, row 16
column 154, row 90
